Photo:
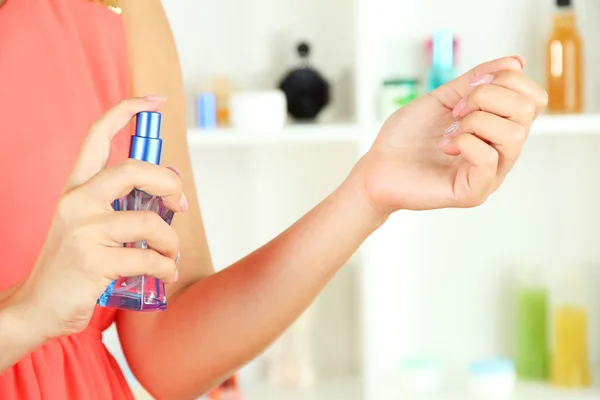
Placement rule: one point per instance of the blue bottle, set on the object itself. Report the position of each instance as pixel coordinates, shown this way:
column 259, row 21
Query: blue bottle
column 442, row 61
column 141, row 293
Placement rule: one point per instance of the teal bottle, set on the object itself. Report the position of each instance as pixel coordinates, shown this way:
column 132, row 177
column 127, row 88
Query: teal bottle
column 443, row 68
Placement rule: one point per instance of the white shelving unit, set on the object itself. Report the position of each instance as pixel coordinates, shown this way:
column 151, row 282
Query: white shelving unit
column 545, row 125
column 425, row 282
column 293, row 134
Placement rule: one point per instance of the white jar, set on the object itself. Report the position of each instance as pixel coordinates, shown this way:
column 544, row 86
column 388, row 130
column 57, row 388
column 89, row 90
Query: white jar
column 258, row 111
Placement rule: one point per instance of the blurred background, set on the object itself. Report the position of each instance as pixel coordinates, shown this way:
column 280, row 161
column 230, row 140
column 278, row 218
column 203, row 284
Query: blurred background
column 498, row 302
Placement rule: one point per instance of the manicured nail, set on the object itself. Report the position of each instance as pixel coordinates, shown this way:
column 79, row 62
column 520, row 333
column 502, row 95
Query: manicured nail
column 451, row 129
column 459, row 107
column 155, row 97
column 176, row 275
column 184, row 203
column 443, row 143
column 521, row 59
column 481, row 80
column 174, row 169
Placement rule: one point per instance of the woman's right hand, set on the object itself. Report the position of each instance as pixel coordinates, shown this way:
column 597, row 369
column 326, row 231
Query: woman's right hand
column 84, row 252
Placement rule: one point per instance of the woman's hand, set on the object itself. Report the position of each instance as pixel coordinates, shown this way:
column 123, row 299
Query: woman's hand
column 84, row 252
column 454, row 146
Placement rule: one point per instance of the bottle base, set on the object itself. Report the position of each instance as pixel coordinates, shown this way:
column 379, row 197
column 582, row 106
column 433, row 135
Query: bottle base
column 135, row 300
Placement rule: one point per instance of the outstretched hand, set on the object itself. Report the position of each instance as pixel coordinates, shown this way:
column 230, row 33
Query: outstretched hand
column 454, row 146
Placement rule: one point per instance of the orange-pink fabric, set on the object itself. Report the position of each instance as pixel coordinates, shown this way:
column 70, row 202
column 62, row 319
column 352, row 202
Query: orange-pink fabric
column 63, row 63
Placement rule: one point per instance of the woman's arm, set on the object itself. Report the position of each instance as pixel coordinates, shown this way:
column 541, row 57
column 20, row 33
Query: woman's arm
column 217, row 322
column 221, row 322
column 17, row 338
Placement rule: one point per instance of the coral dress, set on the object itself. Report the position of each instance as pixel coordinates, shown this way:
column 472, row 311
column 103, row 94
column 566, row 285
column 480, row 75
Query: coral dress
column 63, row 63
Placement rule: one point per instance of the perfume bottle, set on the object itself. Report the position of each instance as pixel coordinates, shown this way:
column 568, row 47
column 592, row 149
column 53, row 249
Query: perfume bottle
column 564, row 62
column 306, row 91
column 141, row 293
column 442, row 59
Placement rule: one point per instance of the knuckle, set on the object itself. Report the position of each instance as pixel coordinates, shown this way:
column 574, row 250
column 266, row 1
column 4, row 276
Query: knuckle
column 153, row 222
column 518, row 134
column 473, row 120
column 491, row 158
column 479, row 92
column 66, row 206
column 127, row 105
column 543, row 98
column 529, row 106
column 128, row 166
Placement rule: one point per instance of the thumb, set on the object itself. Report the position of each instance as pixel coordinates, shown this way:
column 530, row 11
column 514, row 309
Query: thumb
column 452, row 92
column 95, row 151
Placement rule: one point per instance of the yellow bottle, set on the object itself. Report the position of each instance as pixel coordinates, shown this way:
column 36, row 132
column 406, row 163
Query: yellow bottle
column 570, row 365
column 564, row 62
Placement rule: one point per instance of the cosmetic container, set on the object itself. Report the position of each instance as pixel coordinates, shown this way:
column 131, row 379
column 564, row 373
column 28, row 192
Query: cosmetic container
column 141, row 293
column 564, row 62
column 532, row 356
column 442, row 59
column 493, row 379
column 570, row 365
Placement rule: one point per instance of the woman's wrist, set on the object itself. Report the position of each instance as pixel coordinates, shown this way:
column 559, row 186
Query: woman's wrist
column 19, row 333
column 353, row 191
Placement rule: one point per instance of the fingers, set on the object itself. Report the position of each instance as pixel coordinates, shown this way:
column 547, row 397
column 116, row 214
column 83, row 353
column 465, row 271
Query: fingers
column 507, row 94
column 478, row 174
column 507, row 137
column 519, row 83
column 118, row 228
column 452, row 92
column 499, row 101
column 118, row 180
column 95, row 151
column 125, row 262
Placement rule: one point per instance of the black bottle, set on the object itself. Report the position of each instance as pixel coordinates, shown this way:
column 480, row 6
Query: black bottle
column 306, row 91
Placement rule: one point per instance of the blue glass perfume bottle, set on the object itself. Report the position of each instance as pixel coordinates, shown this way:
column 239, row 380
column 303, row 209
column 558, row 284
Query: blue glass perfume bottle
column 141, row 293
column 442, row 59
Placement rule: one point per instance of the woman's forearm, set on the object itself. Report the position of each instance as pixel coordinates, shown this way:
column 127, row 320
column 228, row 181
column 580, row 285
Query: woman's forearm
column 17, row 336
column 226, row 319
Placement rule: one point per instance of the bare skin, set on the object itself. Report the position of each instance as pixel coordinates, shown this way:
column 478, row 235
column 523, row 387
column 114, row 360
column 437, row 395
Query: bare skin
column 217, row 322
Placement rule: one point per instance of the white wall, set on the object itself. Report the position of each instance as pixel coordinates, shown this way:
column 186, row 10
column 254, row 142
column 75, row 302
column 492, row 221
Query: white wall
column 439, row 281
column 253, row 42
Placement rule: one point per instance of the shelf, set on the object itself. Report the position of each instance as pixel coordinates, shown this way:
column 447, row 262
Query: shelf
column 292, row 134
column 579, row 124
column 345, row 388
column 523, row 391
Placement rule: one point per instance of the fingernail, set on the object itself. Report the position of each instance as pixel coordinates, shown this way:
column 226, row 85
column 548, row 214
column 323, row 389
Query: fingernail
column 176, row 277
column 451, row 129
column 184, row 203
column 481, row 80
column 176, row 170
column 459, row 107
column 443, row 143
column 521, row 59
column 177, row 258
column 155, row 97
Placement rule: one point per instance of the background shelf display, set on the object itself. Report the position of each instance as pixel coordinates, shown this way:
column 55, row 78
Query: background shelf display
column 432, row 282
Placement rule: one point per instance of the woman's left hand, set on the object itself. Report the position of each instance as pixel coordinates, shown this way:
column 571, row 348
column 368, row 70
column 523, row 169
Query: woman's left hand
column 454, row 146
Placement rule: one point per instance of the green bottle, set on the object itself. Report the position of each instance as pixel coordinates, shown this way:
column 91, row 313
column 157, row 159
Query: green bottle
column 532, row 357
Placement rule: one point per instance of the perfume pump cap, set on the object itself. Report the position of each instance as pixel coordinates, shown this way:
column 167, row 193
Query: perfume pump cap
column 563, row 3
column 146, row 144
